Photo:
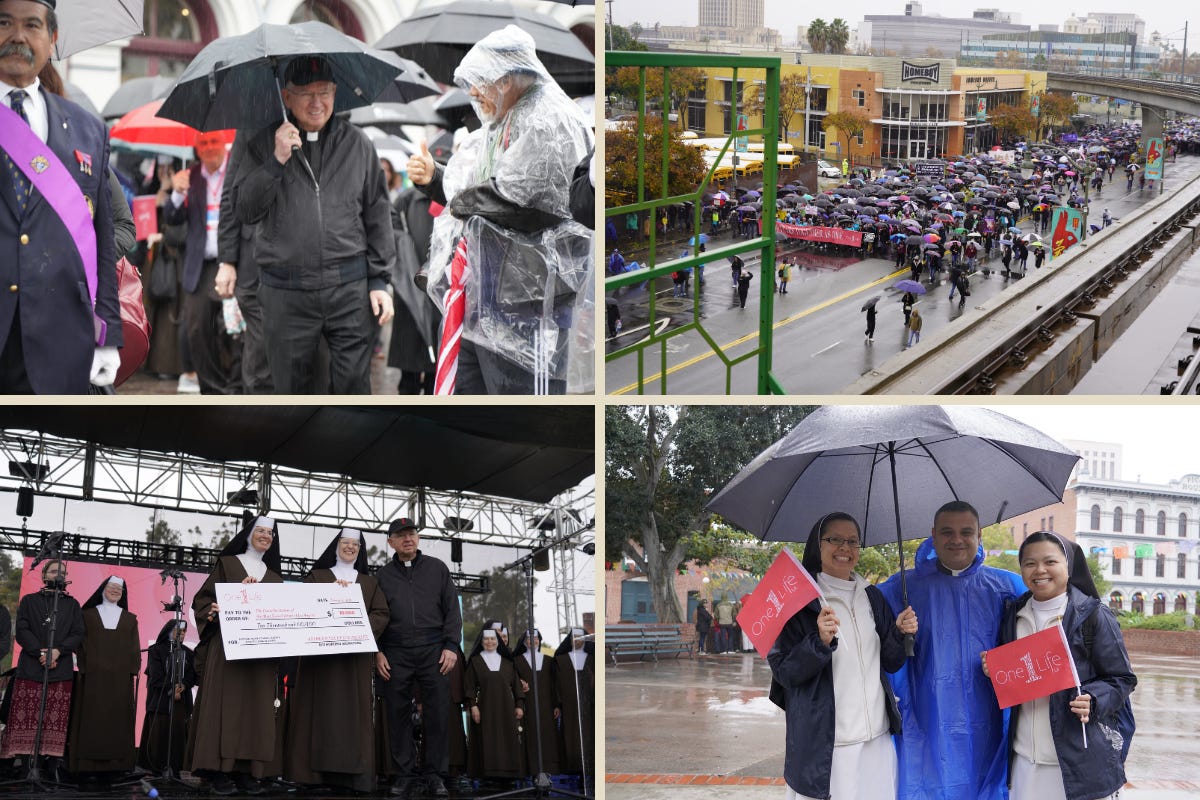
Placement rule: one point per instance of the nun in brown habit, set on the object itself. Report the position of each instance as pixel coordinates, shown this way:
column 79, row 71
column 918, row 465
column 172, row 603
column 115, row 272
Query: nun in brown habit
column 235, row 737
column 528, row 658
column 495, row 707
column 105, row 703
column 330, row 736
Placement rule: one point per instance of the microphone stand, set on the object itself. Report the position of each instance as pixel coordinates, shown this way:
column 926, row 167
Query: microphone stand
column 177, row 669
column 542, row 786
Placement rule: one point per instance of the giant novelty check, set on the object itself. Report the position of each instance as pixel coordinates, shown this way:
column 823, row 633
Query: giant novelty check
column 268, row 620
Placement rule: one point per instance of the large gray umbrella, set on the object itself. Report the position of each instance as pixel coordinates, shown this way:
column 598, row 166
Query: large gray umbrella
column 437, row 37
column 390, row 116
column 83, row 24
column 234, row 82
column 891, row 468
column 455, row 105
column 135, row 93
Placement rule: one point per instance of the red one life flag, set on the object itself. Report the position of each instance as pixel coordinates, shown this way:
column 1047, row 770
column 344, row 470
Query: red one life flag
column 1032, row 667
column 785, row 589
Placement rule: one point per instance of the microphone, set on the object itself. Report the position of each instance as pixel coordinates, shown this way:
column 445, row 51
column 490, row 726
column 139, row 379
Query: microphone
column 148, row 789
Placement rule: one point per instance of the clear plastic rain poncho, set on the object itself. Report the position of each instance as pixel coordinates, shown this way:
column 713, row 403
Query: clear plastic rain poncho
column 530, row 296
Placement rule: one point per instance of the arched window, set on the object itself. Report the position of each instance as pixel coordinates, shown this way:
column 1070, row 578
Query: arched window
column 334, row 13
column 1182, row 525
column 1095, row 518
column 1181, row 602
column 1160, row 604
column 1117, row 520
column 1139, row 521
column 1162, row 523
column 176, row 30
column 1139, row 603
column 1116, row 601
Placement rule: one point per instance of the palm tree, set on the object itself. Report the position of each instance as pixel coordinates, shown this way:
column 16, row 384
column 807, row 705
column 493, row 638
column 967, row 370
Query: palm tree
column 818, row 35
column 837, row 35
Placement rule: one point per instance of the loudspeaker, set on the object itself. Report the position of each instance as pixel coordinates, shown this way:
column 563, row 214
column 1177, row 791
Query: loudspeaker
column 25, row 501
column 456, row 551
column 541, row 561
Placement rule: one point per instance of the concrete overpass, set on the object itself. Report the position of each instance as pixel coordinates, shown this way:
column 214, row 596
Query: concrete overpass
column 1154, row 97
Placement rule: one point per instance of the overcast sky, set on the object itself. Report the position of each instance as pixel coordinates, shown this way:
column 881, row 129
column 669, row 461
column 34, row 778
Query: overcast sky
column 1158, row 440
column 1167, row 18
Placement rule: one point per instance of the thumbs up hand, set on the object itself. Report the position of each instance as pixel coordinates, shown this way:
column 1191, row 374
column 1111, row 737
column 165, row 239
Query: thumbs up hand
column 421, row 167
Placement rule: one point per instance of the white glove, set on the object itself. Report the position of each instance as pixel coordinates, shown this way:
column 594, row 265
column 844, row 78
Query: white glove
column 104, row 366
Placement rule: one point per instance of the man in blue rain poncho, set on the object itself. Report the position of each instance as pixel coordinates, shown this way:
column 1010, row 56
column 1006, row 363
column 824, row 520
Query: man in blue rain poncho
column 953, row 744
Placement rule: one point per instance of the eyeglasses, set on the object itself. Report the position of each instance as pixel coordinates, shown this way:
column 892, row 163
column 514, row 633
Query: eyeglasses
column 324, row 94
column 852, row 544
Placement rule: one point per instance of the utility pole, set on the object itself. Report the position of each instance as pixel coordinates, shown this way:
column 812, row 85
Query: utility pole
column 610, row 24
column 807, row 106
column 1183, row 64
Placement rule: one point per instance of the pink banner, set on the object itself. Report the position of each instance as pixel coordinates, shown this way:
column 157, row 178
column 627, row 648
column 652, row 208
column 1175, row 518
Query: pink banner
column 146, row 594
column 785, row 589
column 145, row 216
column 814, row 233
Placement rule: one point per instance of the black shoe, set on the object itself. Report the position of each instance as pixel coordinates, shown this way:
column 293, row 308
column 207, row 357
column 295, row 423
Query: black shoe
column 248, row 785
column 400, row 788
column 435, row 787
column 461, row 786
column 221, row 784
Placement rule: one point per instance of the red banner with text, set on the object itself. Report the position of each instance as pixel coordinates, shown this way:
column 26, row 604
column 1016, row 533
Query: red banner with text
column 815, row 233
column 1031, row 667
column 785, row 589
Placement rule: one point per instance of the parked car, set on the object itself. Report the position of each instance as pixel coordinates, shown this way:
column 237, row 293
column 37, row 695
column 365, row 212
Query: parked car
column 827, row 170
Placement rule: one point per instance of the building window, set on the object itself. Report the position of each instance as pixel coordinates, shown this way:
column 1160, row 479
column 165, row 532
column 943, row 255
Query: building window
column 859, row 139
column 1162, row 523
column 1051, row 523
column 1139, row 603
column 1139, row 521
column 1024, row 530
column 1182, row 571
column 1160, row 604
column 1137, row 567
column 334, row 13
column 1116, row 567
column 175, row 32
column 1115, row 601
column 1160, row 566
column 1182, row 526
column 1181, row 602
column 1095, row 518
column 1117, row 520
column 859, row 97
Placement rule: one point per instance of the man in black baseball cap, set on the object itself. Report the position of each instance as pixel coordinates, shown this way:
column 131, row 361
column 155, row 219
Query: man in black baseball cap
column 419, row 647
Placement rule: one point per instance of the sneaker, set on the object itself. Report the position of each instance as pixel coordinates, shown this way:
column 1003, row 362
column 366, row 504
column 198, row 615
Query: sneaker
column 188, row 384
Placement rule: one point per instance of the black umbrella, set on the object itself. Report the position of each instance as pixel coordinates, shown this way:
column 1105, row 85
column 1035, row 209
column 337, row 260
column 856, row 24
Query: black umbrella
column 411, row 84
column 862, row 460
column 439, row 36
column 234, row 82
column 136, row 93
column 870, row 303
column 455, row 105
column 390, row 116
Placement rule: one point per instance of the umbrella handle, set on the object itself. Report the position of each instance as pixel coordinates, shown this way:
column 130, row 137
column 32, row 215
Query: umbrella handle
column 909, row 645
column 283, row 108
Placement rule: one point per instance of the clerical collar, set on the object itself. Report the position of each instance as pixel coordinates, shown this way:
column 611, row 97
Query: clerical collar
column 312, row 136
column 407, row 563
column 942, row 568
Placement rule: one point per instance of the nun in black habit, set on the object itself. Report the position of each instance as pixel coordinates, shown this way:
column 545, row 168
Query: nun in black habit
column 330, row 736
column 575, row 665
column 495, row 707
column 161, row 721
column 105, row 701
column 529, row 658
column 235, row 736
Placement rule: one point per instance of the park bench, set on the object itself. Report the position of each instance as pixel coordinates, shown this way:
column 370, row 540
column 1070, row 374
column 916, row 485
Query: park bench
column 644, row 640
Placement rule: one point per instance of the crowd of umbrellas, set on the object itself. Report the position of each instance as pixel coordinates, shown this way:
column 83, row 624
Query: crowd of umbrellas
column 234, row 82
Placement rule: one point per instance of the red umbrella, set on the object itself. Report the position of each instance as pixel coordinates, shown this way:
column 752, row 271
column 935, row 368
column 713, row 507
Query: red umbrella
column 142, row 127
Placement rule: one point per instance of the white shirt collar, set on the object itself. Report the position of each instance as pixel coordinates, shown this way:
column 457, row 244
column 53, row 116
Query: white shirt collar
column 35, row 107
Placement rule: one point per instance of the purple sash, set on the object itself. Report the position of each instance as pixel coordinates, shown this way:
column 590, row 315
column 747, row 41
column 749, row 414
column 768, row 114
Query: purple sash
column 42, row 168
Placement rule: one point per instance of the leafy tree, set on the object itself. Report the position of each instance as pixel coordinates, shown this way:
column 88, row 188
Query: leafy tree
column 818, row 35
column 1009, row 59
column 662, row 463
column 1012, row 120
column 11, row 573
column 1057, row 109
column 849, row 124
column 838, row 35
column 933, row 52
column 161, row 532
column 791, row 102
column 626, row 82
column 218, row 538
column 686, row 164
column 505, row 601
column 999, row 537
column 626, row 38
column 1103, row 585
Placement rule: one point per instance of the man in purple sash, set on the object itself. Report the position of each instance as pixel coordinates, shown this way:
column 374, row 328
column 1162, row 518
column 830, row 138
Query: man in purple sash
column 51, row 340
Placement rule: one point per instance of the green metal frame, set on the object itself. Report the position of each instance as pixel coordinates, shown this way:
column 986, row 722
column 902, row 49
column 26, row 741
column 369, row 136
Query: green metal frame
column 766, row 381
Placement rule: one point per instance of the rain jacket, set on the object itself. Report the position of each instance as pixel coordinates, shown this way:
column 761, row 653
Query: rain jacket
column 953, row 745
column 530, row 288
column 1106, row 675
column 802, row 685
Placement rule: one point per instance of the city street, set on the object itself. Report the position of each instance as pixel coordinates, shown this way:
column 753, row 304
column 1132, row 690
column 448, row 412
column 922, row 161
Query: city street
column 819, row 342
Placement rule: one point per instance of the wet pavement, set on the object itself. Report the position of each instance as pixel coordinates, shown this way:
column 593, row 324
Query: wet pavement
column 709, row 720
column 819, row 327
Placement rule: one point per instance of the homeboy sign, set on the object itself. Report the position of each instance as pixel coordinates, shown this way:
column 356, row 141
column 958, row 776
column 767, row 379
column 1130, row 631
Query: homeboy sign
column 925, row 73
